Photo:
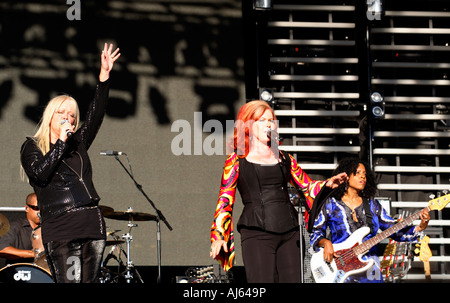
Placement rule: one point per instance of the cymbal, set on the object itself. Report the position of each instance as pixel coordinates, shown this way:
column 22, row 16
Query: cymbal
column 130, row 216
column 106, row 209
column 4, row 225
column 113, row 242
column 112, row 232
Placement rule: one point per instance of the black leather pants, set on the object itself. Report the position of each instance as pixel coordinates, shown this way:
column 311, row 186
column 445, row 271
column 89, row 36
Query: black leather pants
column 76, row 261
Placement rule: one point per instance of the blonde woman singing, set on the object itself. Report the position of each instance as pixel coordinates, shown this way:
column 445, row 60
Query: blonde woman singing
column 57, row 164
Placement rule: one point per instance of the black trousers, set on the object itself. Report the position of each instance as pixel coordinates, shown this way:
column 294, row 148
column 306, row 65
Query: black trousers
column 271, row 257
column 76, row 261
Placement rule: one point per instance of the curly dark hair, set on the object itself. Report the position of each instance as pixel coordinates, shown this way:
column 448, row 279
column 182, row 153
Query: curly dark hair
column 349, row 166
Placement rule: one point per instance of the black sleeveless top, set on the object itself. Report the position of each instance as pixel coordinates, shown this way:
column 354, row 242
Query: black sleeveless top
column 263, row 190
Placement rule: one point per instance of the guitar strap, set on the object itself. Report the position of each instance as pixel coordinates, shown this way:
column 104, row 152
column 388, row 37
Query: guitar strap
column 366, row 204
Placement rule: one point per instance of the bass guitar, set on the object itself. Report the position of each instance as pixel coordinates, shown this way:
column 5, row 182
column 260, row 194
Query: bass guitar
column 348, row 260
column 424, row 255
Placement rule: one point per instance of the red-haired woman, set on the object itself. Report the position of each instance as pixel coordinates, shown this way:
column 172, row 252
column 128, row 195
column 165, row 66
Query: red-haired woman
column 268, row 224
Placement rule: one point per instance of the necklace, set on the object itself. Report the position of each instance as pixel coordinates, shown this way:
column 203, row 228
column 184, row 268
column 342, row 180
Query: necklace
column 354, row 216
column 352, row 203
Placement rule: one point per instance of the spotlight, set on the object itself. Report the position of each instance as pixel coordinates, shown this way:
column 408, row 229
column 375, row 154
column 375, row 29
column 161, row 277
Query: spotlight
column 266, row 95
column 374, row 9
column 376, row 97
column 262, row 4
column 377, row 111
column 377, row 105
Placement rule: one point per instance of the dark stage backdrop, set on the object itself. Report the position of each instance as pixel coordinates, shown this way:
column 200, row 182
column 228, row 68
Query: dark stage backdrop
column 181, row 65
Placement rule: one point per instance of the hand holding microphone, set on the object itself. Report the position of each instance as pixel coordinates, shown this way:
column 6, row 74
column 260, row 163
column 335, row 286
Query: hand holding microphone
column 66, row 130
column 273, row 137
column 272, row 134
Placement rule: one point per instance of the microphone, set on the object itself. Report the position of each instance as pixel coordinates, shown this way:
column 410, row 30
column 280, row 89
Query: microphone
column 273, row 134
column 273, row 137
column 69, row 133
column 111, row 153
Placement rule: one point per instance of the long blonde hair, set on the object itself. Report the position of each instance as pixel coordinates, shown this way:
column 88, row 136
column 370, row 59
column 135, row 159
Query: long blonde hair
column 42, row 135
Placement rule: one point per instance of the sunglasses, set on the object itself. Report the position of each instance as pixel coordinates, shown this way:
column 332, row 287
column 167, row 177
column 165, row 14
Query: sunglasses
column 33, row 207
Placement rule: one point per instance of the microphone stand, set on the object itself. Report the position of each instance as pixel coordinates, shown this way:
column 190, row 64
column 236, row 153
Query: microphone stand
column 274, row 138
column 159, row 217
column 300, row 224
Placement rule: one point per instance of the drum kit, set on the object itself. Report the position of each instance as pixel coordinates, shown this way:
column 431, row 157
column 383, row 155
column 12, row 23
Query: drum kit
column 38, row 271
column 4, row 225
column 129, row 272
column 125, row 271
column 35, row 272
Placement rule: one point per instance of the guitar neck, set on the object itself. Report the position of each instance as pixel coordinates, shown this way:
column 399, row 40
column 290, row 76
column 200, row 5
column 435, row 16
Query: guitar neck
column 427, row 270
column 365, row 246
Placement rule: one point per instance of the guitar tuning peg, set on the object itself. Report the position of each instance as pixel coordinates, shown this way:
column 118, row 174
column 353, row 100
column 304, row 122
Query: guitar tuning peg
column 445, row 191
column 417, row 250
column 432, row 196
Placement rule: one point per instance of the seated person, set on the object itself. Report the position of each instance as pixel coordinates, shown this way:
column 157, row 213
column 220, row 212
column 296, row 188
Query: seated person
column 16, row 245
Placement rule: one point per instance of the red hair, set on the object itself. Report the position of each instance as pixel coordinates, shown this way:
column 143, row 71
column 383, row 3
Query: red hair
column 248, row 113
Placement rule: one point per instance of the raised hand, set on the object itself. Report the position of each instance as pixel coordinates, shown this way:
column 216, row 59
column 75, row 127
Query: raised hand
column 337, row 180
column 108, row 57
